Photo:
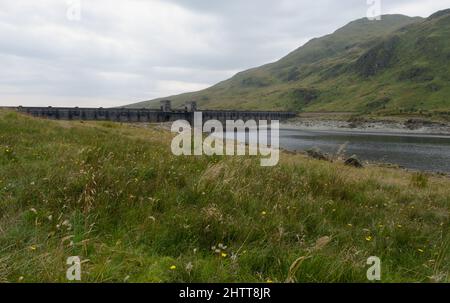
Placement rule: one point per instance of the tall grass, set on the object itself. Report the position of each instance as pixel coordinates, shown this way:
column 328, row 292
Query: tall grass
column 115, row 196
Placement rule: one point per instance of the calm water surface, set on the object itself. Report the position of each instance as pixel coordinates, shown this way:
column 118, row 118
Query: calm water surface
column 423, row 152
column 414, row 151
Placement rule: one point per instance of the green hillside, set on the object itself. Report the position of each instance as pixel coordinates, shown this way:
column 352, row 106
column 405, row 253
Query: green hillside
column 398, row 64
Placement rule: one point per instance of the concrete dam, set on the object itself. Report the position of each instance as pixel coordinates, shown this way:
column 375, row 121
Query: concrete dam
column 164, row 114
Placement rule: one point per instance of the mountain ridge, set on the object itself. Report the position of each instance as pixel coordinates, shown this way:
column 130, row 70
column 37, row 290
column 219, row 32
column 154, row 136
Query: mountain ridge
column 364, row 66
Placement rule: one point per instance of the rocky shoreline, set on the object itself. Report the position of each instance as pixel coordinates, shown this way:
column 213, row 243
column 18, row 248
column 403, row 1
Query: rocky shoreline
column 409, row 126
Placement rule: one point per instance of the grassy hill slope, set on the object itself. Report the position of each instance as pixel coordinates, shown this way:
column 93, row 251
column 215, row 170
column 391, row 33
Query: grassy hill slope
column 115, row 196
column 399, row 64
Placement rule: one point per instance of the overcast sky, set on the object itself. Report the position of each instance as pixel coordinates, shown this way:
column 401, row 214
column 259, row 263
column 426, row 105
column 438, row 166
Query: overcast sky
column 116, row 52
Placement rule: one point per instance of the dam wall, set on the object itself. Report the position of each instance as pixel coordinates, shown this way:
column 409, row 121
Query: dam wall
column 165, row 114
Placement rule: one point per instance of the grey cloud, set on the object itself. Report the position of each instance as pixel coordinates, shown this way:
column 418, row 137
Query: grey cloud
column 122, row 52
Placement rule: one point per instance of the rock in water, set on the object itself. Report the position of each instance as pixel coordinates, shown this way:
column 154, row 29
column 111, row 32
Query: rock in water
column 317, row 154
column 353, row 161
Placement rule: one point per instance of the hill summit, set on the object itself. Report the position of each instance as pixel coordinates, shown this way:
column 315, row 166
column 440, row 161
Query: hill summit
column 398, row 64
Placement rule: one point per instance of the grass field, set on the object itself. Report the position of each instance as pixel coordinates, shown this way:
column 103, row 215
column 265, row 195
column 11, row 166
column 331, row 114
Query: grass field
column 115, row 196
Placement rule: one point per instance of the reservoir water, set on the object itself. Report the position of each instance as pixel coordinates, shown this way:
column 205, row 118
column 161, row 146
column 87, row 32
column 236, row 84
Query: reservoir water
column 414, row 151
